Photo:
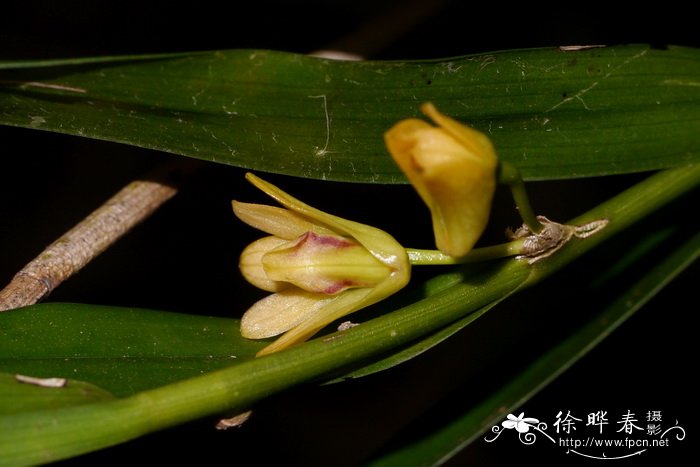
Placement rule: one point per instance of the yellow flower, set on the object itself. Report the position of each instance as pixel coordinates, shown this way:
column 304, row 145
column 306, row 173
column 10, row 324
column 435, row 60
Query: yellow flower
column 453, row 169
column 320, row 268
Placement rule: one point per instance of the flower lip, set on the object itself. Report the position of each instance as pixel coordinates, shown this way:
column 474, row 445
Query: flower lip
column 326, row 240
column 251, row 265
column 323, row 263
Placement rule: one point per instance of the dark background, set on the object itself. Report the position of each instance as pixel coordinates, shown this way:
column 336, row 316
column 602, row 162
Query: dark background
column 183, row 258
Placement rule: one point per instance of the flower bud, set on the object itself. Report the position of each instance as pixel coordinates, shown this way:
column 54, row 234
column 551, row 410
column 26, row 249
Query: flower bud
column 453, row 169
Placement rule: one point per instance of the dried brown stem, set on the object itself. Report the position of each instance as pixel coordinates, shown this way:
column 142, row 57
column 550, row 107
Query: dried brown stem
column 86, row 240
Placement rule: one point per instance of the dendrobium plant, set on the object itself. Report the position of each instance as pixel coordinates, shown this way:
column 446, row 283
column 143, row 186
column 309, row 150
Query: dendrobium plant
column 319, row 267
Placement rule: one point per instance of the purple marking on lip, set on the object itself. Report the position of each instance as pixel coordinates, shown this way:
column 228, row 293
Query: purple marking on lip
column 338, row 287
column 326, row 240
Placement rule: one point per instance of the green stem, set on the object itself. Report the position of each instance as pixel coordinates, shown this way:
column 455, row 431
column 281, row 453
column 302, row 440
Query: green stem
column 438, row 258
column 509, row 175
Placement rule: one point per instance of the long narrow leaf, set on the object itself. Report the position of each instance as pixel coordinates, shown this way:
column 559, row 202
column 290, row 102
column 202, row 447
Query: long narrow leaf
column 123, row 350
column 554, row 113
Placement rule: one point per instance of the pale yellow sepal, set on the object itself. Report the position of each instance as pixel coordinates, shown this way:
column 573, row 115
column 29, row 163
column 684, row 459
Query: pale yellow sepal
column 279, row 222
column 453, row 169
column 338, row 306
column 345, row 267
column 264, row 318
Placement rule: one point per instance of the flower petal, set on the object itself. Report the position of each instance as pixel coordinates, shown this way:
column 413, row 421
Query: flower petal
column 400, row 141
column 476, row 142
column 323, row 314
column 276, row 221
column 280, row 312
column 462, row 204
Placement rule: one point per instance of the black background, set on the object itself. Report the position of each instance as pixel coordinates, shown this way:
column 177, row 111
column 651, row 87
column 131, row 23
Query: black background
column 183, row 258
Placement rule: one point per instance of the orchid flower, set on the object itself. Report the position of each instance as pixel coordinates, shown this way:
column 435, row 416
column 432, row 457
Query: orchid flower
column 319, row 267
column 453, row 169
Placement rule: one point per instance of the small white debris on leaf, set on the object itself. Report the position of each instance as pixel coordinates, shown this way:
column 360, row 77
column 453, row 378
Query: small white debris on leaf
column 345, row 325
column 43, row 382
column 337, row 55
column 573, row 48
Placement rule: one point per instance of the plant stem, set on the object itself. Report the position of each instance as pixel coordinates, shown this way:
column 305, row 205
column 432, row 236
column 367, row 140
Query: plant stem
column 509, row 175
column 94, row 234
column 437, row 258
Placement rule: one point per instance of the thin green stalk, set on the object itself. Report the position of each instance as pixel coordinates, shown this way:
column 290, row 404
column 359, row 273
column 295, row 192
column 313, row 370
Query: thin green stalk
column 46, row 436
column 509, row 174
column 436, row 258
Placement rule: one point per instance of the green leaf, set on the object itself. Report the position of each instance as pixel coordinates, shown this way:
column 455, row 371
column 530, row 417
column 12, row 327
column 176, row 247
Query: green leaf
column 553, row 113
column 43, row 436
column 443, row 444
column 123, row 350
column 21, row 395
